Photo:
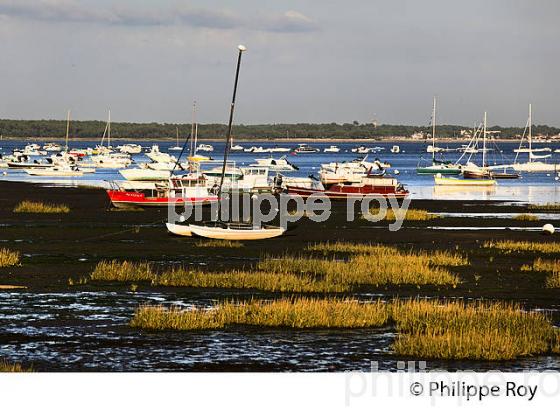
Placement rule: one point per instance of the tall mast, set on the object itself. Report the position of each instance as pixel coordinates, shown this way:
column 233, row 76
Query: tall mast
column 241, row 49
column 434, row 130
column 109, row 130
column 193, row 142
column 67, row 129
column 484, row 143
column 530, row 136
column 177, row 136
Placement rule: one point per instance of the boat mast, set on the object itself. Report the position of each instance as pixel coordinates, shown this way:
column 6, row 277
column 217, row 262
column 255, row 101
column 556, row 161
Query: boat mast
column 177, row 136
column 484, row 142
column 434, row 130
column 530, row 136
column 67, row 130
column 193, row 140
column 109, row 130
column 241, row 49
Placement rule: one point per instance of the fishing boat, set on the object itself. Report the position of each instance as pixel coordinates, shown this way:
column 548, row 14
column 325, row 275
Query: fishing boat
column 332, row 149
column 370, row 185
column 305, row 149
column 180, row 190
column 448, row 181
column 437, row 166
column 233, row 230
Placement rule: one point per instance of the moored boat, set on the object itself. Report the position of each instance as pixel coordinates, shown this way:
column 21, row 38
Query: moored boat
column 440, row 180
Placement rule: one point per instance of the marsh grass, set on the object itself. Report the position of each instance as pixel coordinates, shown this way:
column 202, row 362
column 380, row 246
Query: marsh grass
column 426, row 329
column 7, row 367
column 8, row 257
column 523, row 246
column 407, row 215
column 367, row 265
column 545, row 265
column 476, row 331
column 300, row 313
column 123, row 271
column 217, row 243
column 525, row 217
column 550, row 207
column 40, row 208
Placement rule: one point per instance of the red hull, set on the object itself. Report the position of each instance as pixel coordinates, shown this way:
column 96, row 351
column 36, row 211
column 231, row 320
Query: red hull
column 348, row 191
column 127, row 198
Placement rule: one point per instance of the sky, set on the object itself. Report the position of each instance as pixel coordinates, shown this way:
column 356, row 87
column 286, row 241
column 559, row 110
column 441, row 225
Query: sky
column 306, row 60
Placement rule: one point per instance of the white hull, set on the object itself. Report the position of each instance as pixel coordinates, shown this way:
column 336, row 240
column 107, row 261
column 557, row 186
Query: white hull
column 536, row 167
column 181, row 230
column 138, row 174
column 463, row 182
column 229, row 234
column 53, row 173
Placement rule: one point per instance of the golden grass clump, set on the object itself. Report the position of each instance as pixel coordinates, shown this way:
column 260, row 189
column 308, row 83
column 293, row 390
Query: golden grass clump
column 123, row 271
column 32, row 207
column 271, row 282
column 8, row 257
column 437, row 258
column 525, row 217
column 426, row 329
column 546, row 265
column 523, row 246
column 476, row 331
column 407, row 215
column 217, row 243
column 300, row 313
column 551, row 207
column 7, row 367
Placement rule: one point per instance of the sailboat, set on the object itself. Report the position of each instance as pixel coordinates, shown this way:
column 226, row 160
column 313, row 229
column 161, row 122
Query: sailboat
column 225, row 229
column 194, row 157
column 530, row 165
column 176, row 147
column 437, row 167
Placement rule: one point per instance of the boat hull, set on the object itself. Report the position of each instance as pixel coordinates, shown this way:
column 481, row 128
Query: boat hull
column 213, row 232
column 434, row 171
column 121, row 199
column 347, row 192
column 463, row 182
column 180, row 230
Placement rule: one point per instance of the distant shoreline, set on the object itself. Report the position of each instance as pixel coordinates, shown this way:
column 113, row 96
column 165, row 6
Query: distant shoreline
column 282, row 140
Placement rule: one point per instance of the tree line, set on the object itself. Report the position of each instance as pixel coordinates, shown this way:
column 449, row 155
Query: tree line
column 55, row 129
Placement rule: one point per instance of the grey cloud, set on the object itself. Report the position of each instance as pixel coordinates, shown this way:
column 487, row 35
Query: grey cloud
column 72, row 11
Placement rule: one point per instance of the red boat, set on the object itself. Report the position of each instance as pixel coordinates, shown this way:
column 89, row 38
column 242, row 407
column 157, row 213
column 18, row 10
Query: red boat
column 177, row 191
column 368, row 186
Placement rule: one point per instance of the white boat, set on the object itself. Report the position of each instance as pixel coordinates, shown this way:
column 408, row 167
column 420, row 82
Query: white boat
column 276, row 148
column 280, row 164
column 432, row 149
column 56, row 171
column 176, row 147
column 130, row 148
column 362, row 149
column 530, row 165
column 157, row 156
column 115, row 161
column 205, row 148
column 257, row 150
column 234, row 231
column 395, row 149
column 181, row 230
column 142, row 174
column 237, row 148
column 52, row 147
column 332, row 148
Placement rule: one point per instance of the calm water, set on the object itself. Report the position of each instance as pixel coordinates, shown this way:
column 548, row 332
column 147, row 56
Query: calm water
column 538, row 187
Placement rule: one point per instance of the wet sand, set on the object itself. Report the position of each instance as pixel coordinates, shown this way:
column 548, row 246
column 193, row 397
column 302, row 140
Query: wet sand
column 57, row 248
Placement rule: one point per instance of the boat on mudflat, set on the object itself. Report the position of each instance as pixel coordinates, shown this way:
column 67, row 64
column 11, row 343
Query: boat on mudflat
column 176, row 191
column 370, row 185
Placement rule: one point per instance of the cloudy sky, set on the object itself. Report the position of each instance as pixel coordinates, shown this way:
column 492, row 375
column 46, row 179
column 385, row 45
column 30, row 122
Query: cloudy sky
column 307, row 60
